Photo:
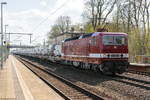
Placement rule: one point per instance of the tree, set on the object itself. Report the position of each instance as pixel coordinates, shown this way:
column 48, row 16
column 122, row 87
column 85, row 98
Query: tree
column 98, row 11
column 134, row 16
column 63, row 23
column 55, row 31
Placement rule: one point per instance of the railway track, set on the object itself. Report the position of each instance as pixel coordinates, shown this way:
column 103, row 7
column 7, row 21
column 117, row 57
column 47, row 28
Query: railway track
column 128, row 84
column 133, row 82
column 139, row 72
column 67, row 89
column 118, row 76
column 133, row 79
column 124, row 79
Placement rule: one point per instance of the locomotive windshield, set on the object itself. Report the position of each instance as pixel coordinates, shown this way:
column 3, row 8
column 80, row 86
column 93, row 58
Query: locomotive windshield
column 114, row 40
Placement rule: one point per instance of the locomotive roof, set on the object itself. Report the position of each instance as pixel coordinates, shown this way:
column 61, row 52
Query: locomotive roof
column 93, row 34
column 69, row 39
column 113, row 33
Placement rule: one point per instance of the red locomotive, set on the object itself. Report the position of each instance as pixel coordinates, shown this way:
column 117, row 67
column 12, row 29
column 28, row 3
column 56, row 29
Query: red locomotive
column 104, row 51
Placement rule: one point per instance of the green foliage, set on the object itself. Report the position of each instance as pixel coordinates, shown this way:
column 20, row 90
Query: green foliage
column 62, row 25
column 88, row 28
column 55, row 31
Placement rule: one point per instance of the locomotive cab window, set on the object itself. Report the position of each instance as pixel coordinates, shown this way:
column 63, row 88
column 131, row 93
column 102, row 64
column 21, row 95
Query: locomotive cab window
column 114, row 40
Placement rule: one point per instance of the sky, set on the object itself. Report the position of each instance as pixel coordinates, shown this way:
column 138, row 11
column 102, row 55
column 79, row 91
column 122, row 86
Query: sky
column 37, row 17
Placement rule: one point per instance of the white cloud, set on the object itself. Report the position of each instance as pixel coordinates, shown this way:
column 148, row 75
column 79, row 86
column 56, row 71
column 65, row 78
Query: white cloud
column 43, row 3
column 27, row 20
column 74, row 9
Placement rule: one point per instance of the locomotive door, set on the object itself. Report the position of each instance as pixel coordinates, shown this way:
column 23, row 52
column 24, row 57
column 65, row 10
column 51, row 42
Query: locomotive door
column 93, row 45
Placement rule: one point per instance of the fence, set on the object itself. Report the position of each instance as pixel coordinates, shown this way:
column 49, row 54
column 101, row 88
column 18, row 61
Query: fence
column 5, row 52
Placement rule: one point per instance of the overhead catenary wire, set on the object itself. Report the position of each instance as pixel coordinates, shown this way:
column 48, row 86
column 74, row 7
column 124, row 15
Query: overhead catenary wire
column 20, row 35
column 17, row 38
column 48, row 17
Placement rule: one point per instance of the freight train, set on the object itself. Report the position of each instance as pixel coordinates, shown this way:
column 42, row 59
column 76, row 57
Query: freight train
column 103, row 51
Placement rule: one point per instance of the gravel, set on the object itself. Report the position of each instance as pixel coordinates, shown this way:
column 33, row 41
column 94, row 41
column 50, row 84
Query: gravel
column 112, row 87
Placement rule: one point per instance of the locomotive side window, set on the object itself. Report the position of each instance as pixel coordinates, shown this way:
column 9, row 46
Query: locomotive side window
column 108, row 40
column 120, row 40
column 93, row 41
column 114, row 40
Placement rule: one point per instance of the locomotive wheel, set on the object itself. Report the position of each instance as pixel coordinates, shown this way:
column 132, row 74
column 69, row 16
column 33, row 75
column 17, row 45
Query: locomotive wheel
column 76, row 64
column 94, row 67
column 82, row 65
column 105, row 69
column 87, row 65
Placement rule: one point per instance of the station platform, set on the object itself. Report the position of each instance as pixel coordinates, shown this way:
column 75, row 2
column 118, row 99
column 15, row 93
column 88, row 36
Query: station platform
column 142, row 65
column 18, row 83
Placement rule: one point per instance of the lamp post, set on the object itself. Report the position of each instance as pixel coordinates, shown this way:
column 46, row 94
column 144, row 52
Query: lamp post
column 5, row 33
column 7, row 50
column 2, row 3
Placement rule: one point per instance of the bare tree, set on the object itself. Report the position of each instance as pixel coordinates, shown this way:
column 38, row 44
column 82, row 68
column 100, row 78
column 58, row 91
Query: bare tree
column 98, row 11
column 63, row 22
column 61, row 25
column 136, row 11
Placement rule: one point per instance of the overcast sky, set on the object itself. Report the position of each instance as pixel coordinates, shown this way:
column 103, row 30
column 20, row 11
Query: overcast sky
column 37, row 16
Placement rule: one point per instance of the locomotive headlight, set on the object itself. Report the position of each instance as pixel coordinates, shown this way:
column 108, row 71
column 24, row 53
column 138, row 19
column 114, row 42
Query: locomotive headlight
column 125, row 55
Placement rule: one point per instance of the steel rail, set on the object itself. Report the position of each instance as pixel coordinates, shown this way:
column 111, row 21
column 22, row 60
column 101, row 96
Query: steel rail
column 82, row 90
column 132, row 79
column 48, row 83
column 139, row 72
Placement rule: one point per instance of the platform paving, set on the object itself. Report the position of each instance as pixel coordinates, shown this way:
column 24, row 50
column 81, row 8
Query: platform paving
column 18, row 83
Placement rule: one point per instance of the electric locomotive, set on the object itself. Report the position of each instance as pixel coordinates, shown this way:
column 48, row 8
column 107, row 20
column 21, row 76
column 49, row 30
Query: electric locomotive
column 104, row 51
